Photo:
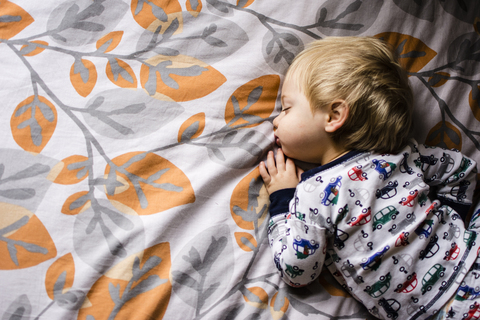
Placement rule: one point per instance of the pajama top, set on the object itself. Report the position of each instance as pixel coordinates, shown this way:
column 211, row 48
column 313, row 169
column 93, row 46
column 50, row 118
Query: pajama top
column 388, row 227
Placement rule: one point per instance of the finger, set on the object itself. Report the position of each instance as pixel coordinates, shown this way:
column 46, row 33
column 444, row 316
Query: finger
column 280, row 160
column 264, row 173
column 290, row 165
column 299, row 173
column 272, row 169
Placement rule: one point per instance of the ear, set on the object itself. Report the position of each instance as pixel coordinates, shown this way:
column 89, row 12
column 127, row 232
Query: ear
column 337, row 115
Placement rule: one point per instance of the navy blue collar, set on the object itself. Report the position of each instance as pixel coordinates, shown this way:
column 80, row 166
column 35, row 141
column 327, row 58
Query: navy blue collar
column 310, row 173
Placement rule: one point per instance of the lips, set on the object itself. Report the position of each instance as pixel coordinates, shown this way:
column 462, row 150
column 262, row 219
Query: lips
column 277, row 141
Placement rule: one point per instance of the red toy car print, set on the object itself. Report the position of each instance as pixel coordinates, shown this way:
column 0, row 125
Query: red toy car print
column 409, row 201
column 362, row 219
column 453, row 253
column 473, row 313
column 402, row 240
column 432, row 207
column 357, row 174
column 409, row 285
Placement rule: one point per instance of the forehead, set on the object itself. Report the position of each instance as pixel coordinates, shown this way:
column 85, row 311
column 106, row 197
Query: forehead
column 290, row 88
column 291, row 84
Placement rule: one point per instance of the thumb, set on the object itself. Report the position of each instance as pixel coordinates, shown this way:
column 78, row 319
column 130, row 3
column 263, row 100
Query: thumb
column 299, row 173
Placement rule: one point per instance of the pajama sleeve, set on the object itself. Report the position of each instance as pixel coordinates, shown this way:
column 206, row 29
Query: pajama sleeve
column 298, row 246
column 451, row 175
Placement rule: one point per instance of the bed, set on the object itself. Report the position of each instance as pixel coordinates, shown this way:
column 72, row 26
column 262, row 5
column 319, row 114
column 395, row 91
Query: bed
column 131, row 134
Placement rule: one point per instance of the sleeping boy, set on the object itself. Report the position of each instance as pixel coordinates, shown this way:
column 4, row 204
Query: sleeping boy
column 382, row 213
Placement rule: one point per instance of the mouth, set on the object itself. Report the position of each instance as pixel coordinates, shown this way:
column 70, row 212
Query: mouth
column 277, row 141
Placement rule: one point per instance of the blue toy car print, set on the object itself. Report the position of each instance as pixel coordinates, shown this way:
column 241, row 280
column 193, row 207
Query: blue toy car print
column 384, row 168
column 460, row 191
column 466, row 292
column 431, row 249
column 304, row 247
column 330, row 194
column 374, row 261
column 387, row 192
column 424, row 162
column 425, row 229
column 340, row 238
column 391, row 307
column 404, row 167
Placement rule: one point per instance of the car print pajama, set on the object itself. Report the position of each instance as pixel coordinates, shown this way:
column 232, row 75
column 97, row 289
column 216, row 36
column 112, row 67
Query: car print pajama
column 388, row 227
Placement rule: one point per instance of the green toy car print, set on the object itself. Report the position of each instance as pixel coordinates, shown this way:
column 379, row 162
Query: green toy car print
column 460, row 172
column 383, row 216
column 293, row 271
column 469, row 238
column 379, row 287
column 432, row 276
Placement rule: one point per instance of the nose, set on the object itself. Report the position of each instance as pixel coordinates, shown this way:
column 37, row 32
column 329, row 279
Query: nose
column 276, row 121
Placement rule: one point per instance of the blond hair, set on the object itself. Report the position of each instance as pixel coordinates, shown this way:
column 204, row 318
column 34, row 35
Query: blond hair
column 366, row 74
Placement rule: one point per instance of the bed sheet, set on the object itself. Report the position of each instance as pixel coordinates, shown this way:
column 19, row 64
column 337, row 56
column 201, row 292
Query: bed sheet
column 131, row 133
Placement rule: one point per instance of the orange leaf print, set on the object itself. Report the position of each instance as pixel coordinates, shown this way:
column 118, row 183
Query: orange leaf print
column 253, row 102
column 147, row 183
column 438, row 79
column 474, row 101
column 110, row 41
column 121, row 74
column 26, row 242
column 32, row 49
column 278, row 312
column 445, row 135
column 244, row 3
column 413, row 53
column 147, row 12
column 33, row 123
column 245, row 241
column 332, row 286
column 249, row 201
column 181, row 78
column 256, row 297
column 192, row 128
column 83, row 76
column 70, row 170
column 140, row 282
column 13, row 19
column 194, row 7
column 60, row 276
column 76, row 203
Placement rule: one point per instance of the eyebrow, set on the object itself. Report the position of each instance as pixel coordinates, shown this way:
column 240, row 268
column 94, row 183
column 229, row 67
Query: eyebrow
column 284, row 97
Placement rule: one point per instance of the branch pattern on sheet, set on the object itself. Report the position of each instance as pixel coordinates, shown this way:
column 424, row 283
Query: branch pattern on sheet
column 172, row 64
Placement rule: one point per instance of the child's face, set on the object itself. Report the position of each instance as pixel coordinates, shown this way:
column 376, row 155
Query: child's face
column 299, row 131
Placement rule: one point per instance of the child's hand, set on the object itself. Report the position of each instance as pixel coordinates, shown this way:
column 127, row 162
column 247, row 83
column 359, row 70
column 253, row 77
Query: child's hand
column 280, row 174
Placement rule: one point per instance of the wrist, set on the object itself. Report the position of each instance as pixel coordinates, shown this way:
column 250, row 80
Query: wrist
column 280, row 200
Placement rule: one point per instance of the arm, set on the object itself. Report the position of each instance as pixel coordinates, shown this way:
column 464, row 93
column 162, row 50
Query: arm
column 298, row 247
column 451, row 175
